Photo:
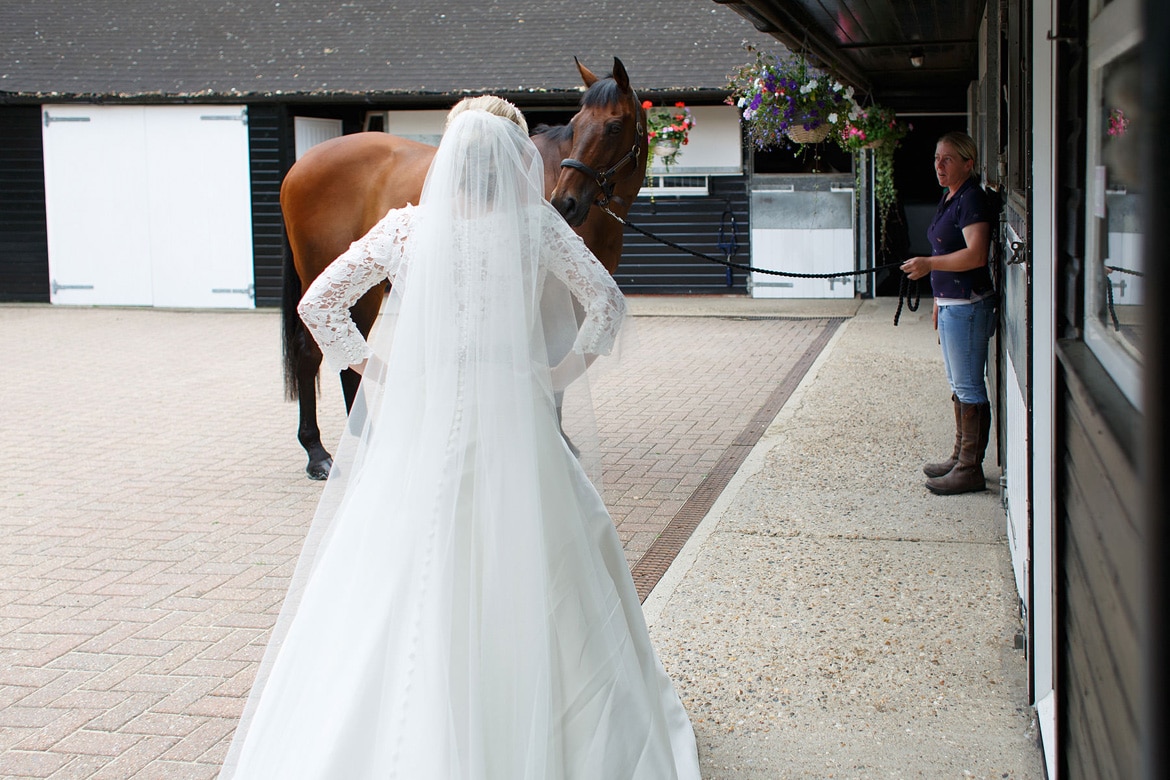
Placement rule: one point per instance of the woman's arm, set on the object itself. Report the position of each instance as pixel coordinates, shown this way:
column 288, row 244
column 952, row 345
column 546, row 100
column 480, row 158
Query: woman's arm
column 978, row 238
column 324, row 308
column 570, row 260
column 567, row 258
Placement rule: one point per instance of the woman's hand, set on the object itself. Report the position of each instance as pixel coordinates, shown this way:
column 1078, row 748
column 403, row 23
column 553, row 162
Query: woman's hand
column 934, row 315
column 572, row 366
column 916, row 267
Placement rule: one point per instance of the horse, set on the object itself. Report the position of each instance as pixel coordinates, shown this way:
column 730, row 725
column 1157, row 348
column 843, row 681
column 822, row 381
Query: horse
column 341, row 188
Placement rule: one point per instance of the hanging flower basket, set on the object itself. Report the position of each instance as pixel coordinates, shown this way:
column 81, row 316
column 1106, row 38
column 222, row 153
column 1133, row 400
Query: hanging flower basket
column 872, row 127
column 667, row 131
column 787, row 100
column 877, row 129
column 801, row 135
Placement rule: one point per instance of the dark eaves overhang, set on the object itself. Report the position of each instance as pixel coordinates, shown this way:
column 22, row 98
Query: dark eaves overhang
column 790, row 25
column 926, row 68
column 561, row 98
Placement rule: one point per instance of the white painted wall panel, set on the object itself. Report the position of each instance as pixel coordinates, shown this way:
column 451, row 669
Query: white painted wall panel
column 713, row 144
column 310, row 131
column 1017, row 491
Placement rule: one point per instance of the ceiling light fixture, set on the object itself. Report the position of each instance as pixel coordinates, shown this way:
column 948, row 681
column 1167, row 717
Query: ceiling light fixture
column 917, row 57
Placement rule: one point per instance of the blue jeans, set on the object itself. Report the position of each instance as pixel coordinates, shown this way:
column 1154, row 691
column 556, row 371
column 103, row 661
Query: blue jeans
column 963, row 331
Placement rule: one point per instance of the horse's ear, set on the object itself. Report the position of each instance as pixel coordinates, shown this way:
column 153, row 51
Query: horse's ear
column 586, row 74
column 620, row 76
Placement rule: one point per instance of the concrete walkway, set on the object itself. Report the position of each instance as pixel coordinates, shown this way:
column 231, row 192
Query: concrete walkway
column 832, row 618
column 827, row 618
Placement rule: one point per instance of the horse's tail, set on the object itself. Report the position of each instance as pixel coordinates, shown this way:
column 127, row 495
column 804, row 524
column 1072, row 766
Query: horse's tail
column 291, row 327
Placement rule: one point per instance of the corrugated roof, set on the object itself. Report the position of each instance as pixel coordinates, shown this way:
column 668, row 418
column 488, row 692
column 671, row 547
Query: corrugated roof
column 179, row 48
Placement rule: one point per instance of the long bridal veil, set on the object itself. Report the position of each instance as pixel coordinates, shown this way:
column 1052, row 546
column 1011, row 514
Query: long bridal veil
column 461, row 608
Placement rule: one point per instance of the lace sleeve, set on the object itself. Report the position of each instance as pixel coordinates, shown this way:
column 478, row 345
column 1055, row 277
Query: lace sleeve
column 324, row 308
column 567, row 258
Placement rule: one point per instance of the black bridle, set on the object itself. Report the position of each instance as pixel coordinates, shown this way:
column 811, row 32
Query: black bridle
column 605, row 180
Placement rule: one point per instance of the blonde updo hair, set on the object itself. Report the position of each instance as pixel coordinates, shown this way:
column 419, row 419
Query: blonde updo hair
column 492, row 105
column 963, row 144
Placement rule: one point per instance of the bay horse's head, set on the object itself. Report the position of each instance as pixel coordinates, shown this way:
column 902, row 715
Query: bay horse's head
column 607, row 159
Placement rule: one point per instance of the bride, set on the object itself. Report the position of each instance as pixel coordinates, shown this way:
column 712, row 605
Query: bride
column 462, row 607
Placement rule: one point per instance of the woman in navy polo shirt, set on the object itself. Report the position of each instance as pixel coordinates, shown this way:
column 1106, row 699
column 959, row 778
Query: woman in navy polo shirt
column 964, row 307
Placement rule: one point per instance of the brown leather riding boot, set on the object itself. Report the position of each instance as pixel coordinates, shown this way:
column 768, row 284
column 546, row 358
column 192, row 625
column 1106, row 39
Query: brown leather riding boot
column 967, row 475
column 944, row 467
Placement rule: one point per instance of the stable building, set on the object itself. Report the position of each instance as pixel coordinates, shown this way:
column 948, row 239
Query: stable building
column 1065, row 99
column 143, row 151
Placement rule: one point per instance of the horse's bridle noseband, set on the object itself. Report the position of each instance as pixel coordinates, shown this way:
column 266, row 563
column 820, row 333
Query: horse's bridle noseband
column 605, row 181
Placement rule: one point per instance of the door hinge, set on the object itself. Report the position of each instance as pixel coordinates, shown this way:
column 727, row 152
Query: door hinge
column 58, row 287
column 240, row 117
column 51, row 119
column 250, row 291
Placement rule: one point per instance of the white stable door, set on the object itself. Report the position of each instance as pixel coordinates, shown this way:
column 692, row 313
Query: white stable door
column 148, row 206
column 804, row 251
column 200, row 206
column 96, row 199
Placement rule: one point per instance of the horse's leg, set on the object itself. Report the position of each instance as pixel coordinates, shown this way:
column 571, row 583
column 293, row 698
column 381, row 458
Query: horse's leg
column 364, row 312
column 302, row 360
column 350, row 380
column 308, row 434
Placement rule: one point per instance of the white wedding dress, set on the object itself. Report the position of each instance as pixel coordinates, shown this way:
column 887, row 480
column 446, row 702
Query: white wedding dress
column 463, row 608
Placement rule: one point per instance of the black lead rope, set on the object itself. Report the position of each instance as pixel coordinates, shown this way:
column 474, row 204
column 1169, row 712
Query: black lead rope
column 904, row 290
column 1109, row 291
column 904, row 294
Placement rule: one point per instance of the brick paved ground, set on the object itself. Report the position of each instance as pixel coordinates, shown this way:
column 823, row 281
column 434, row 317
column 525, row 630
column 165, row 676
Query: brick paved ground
column 154, row 503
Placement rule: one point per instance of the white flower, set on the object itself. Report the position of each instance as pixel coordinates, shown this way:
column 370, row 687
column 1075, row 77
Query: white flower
column 833, row 118
column 849, row 93
column 809, row 87
column 836, row 86
column 742, row 102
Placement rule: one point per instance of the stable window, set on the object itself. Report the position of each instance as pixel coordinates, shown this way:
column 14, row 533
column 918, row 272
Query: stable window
column 675, row 185
column 1114, row 275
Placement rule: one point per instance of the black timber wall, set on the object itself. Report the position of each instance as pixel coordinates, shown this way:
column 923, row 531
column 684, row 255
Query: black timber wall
column 24, row 242
column 270, row 145
column 651, row 267
column 1100, row 548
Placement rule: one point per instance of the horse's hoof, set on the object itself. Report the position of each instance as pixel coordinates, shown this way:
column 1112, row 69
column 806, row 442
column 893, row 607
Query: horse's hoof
column 320, row 469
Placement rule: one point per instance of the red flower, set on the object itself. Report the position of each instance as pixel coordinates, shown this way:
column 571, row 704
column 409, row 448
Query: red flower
column 647, row 104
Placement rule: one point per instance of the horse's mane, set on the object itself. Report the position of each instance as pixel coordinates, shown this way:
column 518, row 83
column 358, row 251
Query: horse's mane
column 554, row 132
column 604, row 92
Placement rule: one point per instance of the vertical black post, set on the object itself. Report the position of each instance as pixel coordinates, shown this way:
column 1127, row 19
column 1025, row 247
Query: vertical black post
column 1156, row 153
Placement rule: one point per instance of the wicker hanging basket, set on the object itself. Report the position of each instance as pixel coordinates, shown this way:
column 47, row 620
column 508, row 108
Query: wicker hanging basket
column 801, row 136
column 665, row 148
